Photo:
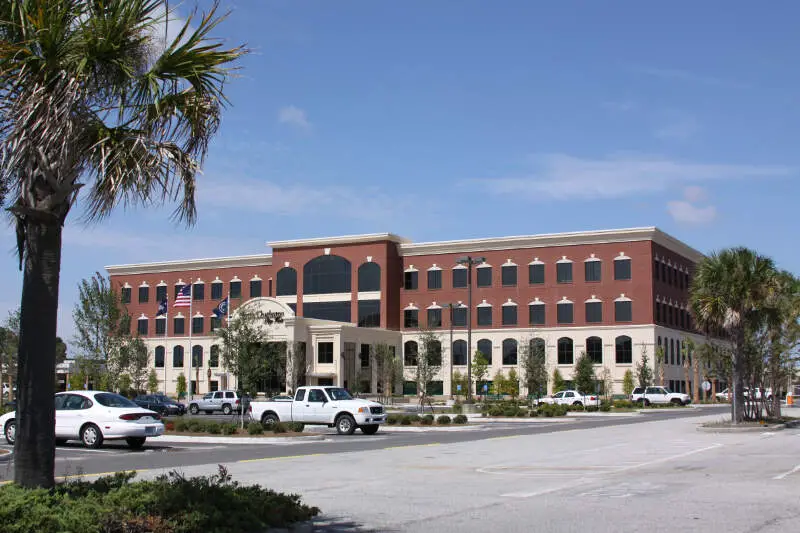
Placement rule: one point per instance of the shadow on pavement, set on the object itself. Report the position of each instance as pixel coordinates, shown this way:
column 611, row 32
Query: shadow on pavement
column 326, row 524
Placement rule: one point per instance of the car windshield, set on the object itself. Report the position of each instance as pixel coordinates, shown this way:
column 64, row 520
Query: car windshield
column 338, row 394
column 108, row 399
column 667, row 390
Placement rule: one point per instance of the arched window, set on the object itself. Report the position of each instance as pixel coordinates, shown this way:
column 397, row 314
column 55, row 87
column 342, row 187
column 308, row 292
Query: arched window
column 566, row 352
column 485, row 347
column 594, row 349
column 177, row 357
column 433, row 351
column 286, row 282
column 410, row 353
column 197, row 356
column 460, row 353
column 326, row 274
column 213, row 358
column 159, row 357
column 624, row 350
column 510, row 352
column 537, row 347
column 369, row 277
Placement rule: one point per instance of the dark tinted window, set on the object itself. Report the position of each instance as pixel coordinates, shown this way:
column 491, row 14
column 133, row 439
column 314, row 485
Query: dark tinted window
column 485, row 347
column 235, row 288
column 126, row 295
column 326, row 274
column 161, row 326
column 434, row 279
column 159, row 357
column 433, row 351
column 459, row 278
column 286, row 282
column 460, row 316
column 178, row 326
column 564, row 313
column 508, row 275
column 484, row 276
column 255, row 288
column 369, row 277
column 509, row 315
column 197, row 325
column 623, row 311
column 658, row 311
column 216, row 290
column 410, row 353
column 369, row 313
column 141, row 326
column 144, row 295
column 161, row 293
column 325, row 352
column 460, row 353
column 594, row 349
column 485, row 315
column 411, row 280
column 300, row 395
column 213, row 358
column 363, row 355
column 411, row 318
column 564, row 272
column 593, row 270
column 624, row 352
column 656, row 274
column 336, row 311
column 536, row 314
column 536, row 274
column 199, row 291
column 108, row 399
column 565, row 351
column 594, row 312
column 510, row 352
column 622, row 269
column 434, row 318
column 215, row 323
column 197, row 356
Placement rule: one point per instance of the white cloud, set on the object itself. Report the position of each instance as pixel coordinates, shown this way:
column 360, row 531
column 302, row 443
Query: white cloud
column 563, row 176
column 694, row 194
column 688, row 213
column 294, row 116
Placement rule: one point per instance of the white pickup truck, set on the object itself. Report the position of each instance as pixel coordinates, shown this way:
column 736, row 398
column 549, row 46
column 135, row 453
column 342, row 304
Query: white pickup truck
column 324, row 406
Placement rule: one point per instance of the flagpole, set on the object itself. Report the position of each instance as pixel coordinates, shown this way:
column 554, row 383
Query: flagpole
column 228, row 323
column 191, row 323
column 166, row 341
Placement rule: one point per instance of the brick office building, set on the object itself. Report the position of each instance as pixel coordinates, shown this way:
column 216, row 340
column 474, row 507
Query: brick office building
column 610, row 293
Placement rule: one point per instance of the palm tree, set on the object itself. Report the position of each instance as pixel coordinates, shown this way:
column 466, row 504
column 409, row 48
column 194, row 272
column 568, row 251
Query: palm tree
column 728, row 293
column 92, row 99
column 782, row 331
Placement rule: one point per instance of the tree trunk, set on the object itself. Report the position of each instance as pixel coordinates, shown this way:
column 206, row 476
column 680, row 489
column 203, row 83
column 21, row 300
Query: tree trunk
column 737, row 405
column 34, row 450
column 714, row 390
column 695, row 380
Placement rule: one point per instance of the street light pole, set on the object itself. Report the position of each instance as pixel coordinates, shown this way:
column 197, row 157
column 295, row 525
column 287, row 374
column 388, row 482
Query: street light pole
column 469, row 262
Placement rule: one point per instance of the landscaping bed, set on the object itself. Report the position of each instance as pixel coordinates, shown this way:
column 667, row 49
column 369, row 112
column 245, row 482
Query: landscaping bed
column 170, row 503
column 212, row 428
column 425, row 420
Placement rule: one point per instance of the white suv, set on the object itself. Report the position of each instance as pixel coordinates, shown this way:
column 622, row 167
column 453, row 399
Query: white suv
column 227, row 401
column 659, row 395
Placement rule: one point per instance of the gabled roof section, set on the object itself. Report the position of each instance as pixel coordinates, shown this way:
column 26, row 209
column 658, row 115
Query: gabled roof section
column 327, row 242
column 191, row 264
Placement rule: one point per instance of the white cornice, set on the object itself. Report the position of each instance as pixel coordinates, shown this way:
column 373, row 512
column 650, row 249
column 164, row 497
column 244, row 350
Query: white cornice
column 552, row 239
column 334, row 241
column 191, row 264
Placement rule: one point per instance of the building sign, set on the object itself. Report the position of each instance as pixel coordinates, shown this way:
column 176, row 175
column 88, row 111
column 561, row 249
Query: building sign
column 267, row 312
column 270, row 317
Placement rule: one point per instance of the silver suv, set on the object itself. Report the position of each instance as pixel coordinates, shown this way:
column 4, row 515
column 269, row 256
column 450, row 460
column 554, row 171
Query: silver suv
column 226, row 401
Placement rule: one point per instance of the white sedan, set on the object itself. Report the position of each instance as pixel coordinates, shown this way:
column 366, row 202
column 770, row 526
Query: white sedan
column 572, row 397
column 95, row 416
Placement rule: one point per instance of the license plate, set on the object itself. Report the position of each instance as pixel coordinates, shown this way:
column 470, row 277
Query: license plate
column 150, row 430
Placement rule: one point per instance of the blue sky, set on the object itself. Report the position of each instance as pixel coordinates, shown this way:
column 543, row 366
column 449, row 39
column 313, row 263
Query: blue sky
column 458, row 119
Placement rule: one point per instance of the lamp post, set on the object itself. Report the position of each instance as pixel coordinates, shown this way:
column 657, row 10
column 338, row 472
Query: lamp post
column 208, row 380
column 469, row 261
column 450, row 306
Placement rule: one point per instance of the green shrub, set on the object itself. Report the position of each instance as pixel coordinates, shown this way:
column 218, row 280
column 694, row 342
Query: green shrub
column 181, row 425
column 443, row 420
column 214, row 429
column 624, row 404
column 561, row 410
column 426, row 421
column 522, row 413
column 279, row 427
column 415, row 418
column 458, row 408
column 460, row 419
column 196, row 426
column 295, row 427
column 255, row 428
column 428, row 417
column 534, row 413
column 392, row 420
column 578, row 407
column 592, row 409
column 605, row 407
column 229, row 429
column 405, row 421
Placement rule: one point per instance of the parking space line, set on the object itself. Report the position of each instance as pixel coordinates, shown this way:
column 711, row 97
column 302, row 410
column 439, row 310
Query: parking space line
column 412, row 446
column 787, row 474
column 504, row 437
column 277, row 458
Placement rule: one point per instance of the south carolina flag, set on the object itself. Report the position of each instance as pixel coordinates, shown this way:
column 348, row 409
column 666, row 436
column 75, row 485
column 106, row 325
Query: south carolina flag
column 221, row 309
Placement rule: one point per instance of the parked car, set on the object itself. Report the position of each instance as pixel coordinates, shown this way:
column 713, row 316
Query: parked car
column 227, row 401
column 164, row 405
column 93, row 417
column 724, row 395
column 727, row 394
column 325, row 406
column 659, row 395
column 572, row 397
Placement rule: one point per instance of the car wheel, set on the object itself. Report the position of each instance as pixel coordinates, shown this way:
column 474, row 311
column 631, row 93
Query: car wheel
column 91, row 436
column 10, row 431
column 345, row 425
column 370, row 430
column 226, row 409
column 61, row 442
column 577, row 403
column 194, row 409
column 646, row 403
column 269, row 420
column 135, row 443
column 677, row 401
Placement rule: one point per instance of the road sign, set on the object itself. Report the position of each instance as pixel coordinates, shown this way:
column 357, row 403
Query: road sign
column 706, row 386
column 485, row 387
column 458, row 388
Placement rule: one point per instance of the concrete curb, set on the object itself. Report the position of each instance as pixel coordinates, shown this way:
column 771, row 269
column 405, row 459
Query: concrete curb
column 520, row 420
column 6, row 457
column 235, row 440
column 746, row 429
column 603, row 415
column 425, row 429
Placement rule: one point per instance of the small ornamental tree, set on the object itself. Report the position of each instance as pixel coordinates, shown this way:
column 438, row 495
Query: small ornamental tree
column 511, row 386
column 558, row 381
column 152, row 382
column 644, row 374
column 480, row 369
column 584, row 374
column 534, row 367
column 628, row 383
column 499, row 383
column 180, row 386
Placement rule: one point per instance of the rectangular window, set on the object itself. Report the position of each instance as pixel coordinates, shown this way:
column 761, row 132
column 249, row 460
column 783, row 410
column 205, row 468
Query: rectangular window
column 564, row 313
column 434, row 279
column 336, row 311
column 508, row 276
column 622, row 269
column 536, row 274
column 161, row 326
column 459, row 278
column 178, row 288
column 161, row 293
column 484, row 276
column 216, row 323
column 197, row 325
column 255, row 288
column 593, row 269
column 325, row 353
column 623, row 311
column 434, row 318
column 409, row 388
column 460, row 317
column 656, row 270
column 142, row 327
column 364, row 355
column 664, row 273
column 198, row 291
column 669, row 315
column 658, row 311
column 369, row 313
column 436, row 388
column 485, row 315
column 411, row 318
column 683, row 318
column 509, row 315
column 126, row 295
column 177, row 326
column 216, row 291
column 536, row 315
column 594, row 312
column 564, row 272
column 235, row 289
column 686, row 280
column 411, row 280
column 144, row 295
column 674, row 276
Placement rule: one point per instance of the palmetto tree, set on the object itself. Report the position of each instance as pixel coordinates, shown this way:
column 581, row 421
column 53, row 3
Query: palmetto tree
column 92, row 101
column 729, row 292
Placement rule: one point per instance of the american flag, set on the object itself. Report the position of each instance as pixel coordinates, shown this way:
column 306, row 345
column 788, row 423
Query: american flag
column 184, row 297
